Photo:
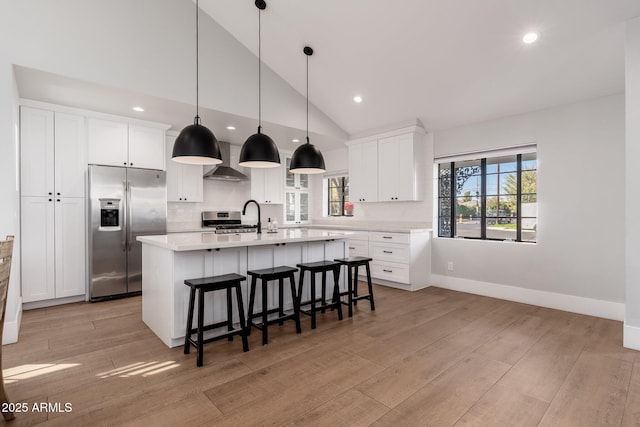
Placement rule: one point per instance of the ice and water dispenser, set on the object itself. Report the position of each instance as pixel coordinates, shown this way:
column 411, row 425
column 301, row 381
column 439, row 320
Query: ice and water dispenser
column 110, row 215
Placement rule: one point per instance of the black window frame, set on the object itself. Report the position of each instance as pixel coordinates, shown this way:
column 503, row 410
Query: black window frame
column 447, row 195
column 342, row 200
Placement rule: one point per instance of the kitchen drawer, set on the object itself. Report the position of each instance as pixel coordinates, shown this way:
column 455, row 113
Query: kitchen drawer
column 394, row 252
column 375, row 236
column 392, row 271
column 358, row 248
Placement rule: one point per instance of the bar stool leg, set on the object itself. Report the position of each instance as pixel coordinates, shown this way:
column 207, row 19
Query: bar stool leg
column 336, row 290
column 187, row 334
column 324, row 291
column 313, row 300
column 229, row 314
column 355, row 285
column 243, row 326
column 252, row 300
column 300, row 288
column 296, row 306
column 281, row 300
column 265, row 333
column 200, row 327
column 373, row 305
column 349, row 290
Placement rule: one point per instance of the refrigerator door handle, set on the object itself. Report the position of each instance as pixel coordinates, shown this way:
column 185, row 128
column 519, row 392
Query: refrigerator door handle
column 124, row 225
column 129, row 218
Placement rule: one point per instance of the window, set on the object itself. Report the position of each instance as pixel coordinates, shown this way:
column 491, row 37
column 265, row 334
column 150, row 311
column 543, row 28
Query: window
column 492, row 198
column 338, row 191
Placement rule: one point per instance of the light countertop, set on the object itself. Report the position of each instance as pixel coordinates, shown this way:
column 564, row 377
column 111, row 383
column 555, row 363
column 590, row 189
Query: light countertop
column 209, row 240
column 380, row 228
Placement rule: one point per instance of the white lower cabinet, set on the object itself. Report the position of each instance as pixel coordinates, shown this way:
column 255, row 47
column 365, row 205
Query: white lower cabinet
column 53, row 248
column 401, row 258
column 206, row 264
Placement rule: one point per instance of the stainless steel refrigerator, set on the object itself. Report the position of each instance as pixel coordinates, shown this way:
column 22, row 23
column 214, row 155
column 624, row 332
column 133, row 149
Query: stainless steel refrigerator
column 124, row 203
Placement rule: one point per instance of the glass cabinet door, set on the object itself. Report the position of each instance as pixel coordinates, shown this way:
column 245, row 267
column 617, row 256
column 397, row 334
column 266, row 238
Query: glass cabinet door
column 304, row 207
column 290, row 206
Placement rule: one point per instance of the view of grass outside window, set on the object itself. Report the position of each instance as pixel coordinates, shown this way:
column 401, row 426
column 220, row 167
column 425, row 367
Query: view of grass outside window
column 492, row 198
column 338, row 191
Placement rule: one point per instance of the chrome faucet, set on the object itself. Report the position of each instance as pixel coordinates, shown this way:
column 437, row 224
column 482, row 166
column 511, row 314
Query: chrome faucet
column 244, row 212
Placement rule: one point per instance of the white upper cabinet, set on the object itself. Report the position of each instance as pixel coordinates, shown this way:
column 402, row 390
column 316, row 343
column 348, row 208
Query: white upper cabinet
column 389, row 167
column 70, row 162
column 52, row 152
column 146, row 147
column 267, row 185
column 184, row 182
column 36, row 152
column 113, row 143
column 107, row 142
column 398, row 163
column 363, row 172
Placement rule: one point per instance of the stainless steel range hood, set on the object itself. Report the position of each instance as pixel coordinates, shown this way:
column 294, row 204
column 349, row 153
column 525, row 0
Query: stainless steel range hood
column 224, row 172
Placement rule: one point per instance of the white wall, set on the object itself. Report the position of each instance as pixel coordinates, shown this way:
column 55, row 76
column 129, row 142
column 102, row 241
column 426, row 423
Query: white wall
column 148, row 46
column 9, row 196
column 632, row 211
column 581, row 231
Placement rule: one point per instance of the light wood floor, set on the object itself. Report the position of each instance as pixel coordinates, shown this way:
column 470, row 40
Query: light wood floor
column 433, row 357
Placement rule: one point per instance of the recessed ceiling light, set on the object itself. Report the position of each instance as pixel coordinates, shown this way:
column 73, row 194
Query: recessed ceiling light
column 138, row 109
column 231, row 127
column 295, row 140
column 357, row 99
column 530, row 37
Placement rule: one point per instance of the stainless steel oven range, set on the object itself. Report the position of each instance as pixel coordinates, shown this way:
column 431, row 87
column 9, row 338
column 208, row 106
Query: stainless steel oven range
column 226, row 222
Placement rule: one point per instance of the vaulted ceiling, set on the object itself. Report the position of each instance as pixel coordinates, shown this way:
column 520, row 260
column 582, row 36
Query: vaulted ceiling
column 447, row 63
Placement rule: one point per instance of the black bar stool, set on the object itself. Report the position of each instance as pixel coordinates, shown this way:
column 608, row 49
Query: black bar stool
column 267, row 274
column 314, row 268
column 226, row 282
column 352, row 286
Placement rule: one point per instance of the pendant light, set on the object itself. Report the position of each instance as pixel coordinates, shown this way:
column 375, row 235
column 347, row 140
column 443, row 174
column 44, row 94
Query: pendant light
column 259, row 150
column 196, row 144
column 307, row 158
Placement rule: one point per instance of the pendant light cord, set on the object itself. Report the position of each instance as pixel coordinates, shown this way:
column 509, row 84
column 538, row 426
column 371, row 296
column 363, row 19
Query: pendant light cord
column 259, row 70
column 307, row 99
column 197, row 119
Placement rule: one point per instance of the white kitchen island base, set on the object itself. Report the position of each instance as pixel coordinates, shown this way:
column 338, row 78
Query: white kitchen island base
column 167, row 261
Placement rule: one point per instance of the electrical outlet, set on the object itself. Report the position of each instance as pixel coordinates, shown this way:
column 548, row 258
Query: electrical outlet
column 450, row 266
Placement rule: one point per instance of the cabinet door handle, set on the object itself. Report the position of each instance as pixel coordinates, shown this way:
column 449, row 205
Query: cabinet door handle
column 131, row 164
column 58, row 194
column 351, row 247
column 51, row 194
column 388, row 252
column 125, row 163
column 57, row 200
column 180, row 198
column 387, row 271
column 185, row 198
column 387, row 237
column 51, row 200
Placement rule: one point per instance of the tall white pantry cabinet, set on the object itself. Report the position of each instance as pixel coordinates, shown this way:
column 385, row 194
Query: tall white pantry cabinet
column 52, row 204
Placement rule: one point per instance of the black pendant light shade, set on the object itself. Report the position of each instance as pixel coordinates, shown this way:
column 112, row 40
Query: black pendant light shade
column 307, row 158
column 259, row 150
column 196, row 145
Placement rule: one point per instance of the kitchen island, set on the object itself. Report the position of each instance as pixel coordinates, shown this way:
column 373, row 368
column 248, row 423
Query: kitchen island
column 168, row 260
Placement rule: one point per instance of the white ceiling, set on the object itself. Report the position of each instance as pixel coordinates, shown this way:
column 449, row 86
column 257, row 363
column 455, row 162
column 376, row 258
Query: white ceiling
column 448, row 63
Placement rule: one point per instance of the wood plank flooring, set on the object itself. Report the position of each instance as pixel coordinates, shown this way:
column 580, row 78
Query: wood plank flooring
column 434, row 358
